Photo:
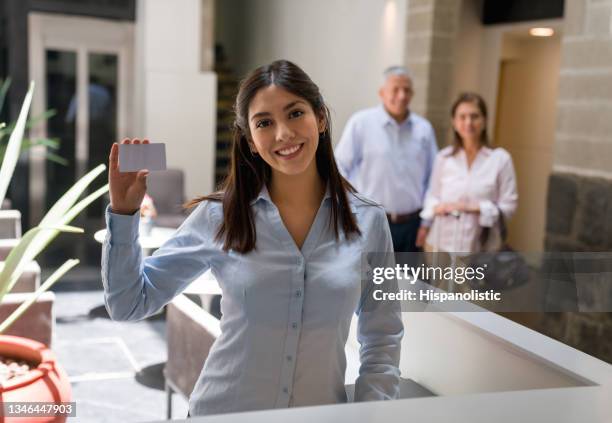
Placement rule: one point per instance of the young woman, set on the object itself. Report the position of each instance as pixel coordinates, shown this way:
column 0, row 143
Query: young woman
column 471, row 186
column 285, row 238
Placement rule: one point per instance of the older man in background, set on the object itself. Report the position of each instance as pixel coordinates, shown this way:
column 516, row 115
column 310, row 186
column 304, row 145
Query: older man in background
column 387, row 153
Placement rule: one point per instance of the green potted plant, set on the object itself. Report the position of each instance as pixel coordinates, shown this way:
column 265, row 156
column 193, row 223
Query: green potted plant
column 29, row 370
column 10, row 220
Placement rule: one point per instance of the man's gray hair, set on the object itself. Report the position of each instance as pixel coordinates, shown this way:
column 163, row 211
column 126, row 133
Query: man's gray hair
column 396, row 70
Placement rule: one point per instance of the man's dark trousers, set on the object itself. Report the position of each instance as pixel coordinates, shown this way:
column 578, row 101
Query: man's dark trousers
column 405, row 234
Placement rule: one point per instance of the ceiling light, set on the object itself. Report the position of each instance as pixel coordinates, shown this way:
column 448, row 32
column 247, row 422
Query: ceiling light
column 541, row 32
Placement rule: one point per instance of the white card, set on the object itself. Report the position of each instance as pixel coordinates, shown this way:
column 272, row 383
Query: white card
column 134, row 157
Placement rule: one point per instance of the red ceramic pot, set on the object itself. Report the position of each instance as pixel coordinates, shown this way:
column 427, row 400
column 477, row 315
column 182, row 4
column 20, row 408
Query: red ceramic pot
column 47, row 383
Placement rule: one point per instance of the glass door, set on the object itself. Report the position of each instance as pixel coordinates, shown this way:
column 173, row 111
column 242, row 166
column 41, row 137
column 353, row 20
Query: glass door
column 81, row 68
column 61, row 83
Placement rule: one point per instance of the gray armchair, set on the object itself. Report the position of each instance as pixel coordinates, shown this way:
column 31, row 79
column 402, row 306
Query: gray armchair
column 190, row 333
column 167, row 188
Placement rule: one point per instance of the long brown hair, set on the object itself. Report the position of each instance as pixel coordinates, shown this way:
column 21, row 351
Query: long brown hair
column 249, row 172
column 469, row 97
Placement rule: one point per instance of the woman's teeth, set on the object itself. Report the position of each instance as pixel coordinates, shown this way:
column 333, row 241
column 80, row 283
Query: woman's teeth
column 290, row 150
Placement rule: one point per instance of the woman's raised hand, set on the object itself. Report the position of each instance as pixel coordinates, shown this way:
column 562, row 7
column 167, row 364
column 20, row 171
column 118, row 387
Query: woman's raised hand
column 127, row 189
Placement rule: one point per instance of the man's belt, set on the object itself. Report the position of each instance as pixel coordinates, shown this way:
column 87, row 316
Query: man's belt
column 402, row 218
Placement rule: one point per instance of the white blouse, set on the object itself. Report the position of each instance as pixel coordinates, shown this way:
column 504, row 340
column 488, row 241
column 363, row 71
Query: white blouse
column 490, row 182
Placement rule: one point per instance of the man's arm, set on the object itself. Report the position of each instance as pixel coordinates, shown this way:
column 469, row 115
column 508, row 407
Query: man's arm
column 348, row 151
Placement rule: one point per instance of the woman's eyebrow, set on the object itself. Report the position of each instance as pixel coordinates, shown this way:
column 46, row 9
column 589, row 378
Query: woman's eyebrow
column 260, row 114
column 293, row 103
column 288, row 106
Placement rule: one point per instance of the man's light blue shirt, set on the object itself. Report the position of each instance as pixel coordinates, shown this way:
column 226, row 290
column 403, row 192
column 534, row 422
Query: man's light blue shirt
column 286, row 311
column 388, row 162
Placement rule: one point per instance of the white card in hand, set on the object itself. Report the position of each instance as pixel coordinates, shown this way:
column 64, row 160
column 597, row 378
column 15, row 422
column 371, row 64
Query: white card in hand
column 134, row 157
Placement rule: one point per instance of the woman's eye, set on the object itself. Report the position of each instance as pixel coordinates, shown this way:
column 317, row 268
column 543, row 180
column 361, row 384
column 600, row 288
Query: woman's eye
column 263, row 123
column 296, row 113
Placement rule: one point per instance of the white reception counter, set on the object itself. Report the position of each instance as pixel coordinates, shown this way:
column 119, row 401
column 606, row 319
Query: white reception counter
column 483, row 367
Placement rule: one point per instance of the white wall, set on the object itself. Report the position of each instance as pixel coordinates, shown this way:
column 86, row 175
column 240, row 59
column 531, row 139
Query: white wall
column 176, row 101
column 344, row 45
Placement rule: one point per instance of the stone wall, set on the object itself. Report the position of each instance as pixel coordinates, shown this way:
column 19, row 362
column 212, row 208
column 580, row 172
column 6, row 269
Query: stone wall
column 579, row 218
column 431, row 29
column 579, row 213
column 579, row 207
column 583, row 142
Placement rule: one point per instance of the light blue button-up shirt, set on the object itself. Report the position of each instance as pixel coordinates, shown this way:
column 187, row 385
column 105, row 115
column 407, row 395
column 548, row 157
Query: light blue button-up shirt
column 286, row 311
column 388, row 162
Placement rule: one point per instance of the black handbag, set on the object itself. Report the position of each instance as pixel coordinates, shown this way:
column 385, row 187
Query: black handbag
column 503, row 267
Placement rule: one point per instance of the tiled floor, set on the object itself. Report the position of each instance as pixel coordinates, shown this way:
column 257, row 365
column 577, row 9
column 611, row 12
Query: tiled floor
column 103, row 358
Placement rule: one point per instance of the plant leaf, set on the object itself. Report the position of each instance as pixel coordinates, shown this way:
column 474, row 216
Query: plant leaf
column 80, row 206
column 3, row 90
column 14, row 145
column 41, row 117
column 52, row 157
column 42, row 239
column 50, row 143
column 64, row 268
column 53, row 143
column 34, row 120
column 21, row 255
column 64, row 228
column 67, row 200
column 45, row 238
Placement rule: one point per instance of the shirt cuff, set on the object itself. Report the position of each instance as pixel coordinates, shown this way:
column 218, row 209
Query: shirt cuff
column 489, row 213
column 122, row 228
column 427, row 214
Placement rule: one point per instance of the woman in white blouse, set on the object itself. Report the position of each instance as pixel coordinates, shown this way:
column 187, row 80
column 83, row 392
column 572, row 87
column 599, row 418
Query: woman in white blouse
column 471, row 184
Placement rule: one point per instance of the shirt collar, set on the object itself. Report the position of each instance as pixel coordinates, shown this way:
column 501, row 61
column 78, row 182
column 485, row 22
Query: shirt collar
column 386, row 118
column 264, row 195
column 482, row 151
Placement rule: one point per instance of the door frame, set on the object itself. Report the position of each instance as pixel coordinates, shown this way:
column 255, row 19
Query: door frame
column 82, row 35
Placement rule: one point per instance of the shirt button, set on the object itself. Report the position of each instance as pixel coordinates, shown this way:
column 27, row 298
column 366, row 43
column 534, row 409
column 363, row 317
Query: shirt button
column 289, row 358
column 294, row 325
column 298, row 293
column 286, row 390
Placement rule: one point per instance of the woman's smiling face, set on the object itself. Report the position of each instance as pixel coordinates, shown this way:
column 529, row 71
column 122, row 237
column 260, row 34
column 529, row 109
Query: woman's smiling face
column 284, row 130
column 468, row 121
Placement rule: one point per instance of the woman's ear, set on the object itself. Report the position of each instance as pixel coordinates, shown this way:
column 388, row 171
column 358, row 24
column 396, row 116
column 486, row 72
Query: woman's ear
column 322, row 124
column 252, row 146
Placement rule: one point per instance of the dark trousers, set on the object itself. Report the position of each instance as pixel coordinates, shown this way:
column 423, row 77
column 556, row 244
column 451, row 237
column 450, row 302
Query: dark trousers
column 404, row 235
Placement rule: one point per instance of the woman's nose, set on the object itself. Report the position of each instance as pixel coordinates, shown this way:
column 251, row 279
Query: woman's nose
column 284, row 132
